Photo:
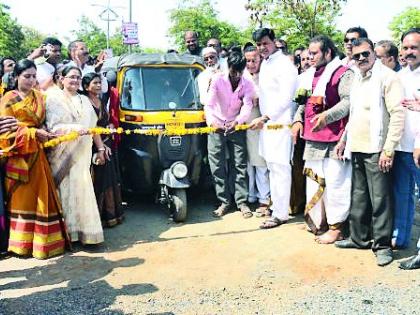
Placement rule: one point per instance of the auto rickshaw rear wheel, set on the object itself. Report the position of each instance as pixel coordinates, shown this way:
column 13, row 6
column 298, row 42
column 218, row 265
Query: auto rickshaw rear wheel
column 179, row 203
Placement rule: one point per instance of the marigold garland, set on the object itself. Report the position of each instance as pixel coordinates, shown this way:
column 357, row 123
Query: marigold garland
column 73, row 135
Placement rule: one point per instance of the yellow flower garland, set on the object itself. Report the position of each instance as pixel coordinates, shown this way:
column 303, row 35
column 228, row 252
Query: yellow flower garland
column 73, row 135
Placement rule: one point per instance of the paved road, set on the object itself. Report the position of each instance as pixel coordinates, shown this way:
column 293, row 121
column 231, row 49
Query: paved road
column 149, row 265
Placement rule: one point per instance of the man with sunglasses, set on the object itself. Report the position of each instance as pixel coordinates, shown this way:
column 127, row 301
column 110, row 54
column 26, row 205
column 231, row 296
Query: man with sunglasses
column 351, row 35
column 216, row 44
column 405, row 172
column 211, row 61
column 320, row 120
column 374, row 130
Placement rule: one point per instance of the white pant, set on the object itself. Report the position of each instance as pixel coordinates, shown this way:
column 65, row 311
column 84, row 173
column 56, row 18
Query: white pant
column 280, row 186
column 259, row 184
column 337, row 194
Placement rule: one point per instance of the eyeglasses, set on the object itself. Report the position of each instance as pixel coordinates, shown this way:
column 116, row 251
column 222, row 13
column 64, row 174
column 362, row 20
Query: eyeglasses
column 351, row 40
column 74, row 77
column 209, row 58
column 365, row 54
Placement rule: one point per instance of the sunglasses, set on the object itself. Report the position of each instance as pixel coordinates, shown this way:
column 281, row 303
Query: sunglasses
column 209, row 58
column 351, row 40
column 365, row 54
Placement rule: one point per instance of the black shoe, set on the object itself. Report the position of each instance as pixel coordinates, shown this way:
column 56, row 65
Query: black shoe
column 411, row 264
column 384, row 257
column 347, row 243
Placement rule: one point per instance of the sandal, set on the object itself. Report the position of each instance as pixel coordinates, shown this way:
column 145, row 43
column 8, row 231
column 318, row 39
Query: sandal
column 263, row 211
column 271, row 223
column 246, row 212
column 221, row 211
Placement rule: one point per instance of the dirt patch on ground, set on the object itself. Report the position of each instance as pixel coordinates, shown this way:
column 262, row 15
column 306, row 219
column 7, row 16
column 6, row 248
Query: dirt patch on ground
column 206, row 259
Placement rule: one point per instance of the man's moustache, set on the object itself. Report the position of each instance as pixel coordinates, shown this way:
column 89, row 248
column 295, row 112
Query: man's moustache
column 410, row 56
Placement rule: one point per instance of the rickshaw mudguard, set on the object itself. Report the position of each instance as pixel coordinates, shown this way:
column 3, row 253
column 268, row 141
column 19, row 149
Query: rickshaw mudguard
column 168, row 179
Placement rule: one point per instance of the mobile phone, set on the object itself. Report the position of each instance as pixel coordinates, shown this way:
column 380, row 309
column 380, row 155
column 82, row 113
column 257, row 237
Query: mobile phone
column 48, row 50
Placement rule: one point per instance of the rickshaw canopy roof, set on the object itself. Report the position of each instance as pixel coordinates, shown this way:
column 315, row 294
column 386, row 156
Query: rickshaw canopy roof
column 156, row 59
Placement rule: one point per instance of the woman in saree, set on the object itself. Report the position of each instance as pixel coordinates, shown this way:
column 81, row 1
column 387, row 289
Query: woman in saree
column 36, row 225
column 105, row 177
column 68, row 111
column 7, row 124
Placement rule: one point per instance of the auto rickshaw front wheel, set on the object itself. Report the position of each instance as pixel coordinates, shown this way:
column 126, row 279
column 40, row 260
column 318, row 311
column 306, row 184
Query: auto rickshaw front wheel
column 179, row 204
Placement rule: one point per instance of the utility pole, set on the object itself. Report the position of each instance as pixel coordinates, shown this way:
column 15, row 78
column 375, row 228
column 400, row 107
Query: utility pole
column 130, row 48
column 108, row 15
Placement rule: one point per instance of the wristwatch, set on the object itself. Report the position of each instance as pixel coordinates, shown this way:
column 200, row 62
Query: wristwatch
column 389, row 153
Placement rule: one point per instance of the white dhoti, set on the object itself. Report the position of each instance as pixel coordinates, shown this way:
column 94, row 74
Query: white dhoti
column 280, row 185
column 259, row 184
column 334, row 202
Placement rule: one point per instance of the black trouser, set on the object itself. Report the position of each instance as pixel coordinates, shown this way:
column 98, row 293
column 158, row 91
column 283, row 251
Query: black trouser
column 217, row 146
column 371, row 210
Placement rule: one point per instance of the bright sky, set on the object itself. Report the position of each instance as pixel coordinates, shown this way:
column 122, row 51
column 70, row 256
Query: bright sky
column 58, row 17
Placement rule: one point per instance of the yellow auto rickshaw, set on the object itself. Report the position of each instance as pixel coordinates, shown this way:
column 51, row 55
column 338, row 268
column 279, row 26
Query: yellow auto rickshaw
column 159, row 91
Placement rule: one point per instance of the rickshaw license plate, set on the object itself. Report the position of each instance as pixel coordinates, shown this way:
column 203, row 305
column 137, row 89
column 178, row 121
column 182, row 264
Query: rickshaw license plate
column 175, row 124
column 175, row 141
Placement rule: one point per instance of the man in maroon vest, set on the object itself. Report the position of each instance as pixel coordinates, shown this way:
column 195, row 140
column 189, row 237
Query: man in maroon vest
column 320, row 120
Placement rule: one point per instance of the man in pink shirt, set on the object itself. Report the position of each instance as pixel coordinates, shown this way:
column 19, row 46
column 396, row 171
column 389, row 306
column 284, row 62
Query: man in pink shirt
column 229, row 104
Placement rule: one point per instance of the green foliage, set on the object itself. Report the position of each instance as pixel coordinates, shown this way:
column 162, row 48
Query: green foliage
column 32, row 39
column 11, row 36
column 202, row 18
column 404, row 21
column 297, row 21
column 91, row 34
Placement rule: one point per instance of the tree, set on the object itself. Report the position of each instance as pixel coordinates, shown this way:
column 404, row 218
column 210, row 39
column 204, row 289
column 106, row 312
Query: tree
column 91, row 34
column 297, row 21
column 11, row 36
column 202, row 18
column 404, row 21
column 32, row 39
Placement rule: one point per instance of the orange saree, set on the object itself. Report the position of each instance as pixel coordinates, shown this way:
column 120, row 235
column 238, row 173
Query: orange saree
column 36, row 224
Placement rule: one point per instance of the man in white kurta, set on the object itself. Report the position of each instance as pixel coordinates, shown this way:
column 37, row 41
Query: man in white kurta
column 277, row 84
column 259, row 181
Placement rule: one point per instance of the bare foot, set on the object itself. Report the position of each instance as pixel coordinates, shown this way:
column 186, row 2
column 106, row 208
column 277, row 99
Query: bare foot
column 329, row 237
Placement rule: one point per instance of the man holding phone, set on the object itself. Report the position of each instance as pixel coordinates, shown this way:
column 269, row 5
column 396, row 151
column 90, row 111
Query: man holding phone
column 46, row 58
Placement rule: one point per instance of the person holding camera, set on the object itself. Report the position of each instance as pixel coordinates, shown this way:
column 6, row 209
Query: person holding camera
column 46, row 58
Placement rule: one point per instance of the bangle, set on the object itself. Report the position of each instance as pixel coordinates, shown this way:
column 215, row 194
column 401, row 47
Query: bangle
column 101, row 149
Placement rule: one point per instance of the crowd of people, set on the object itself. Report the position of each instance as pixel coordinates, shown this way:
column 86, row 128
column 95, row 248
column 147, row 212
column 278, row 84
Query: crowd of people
column 344, row 147
column 66, row 193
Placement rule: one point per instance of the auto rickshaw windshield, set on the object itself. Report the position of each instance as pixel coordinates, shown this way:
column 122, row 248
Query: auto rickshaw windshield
column 166, row 88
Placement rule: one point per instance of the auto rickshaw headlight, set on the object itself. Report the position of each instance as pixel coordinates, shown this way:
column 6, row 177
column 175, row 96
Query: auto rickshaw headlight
column 179, row 170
